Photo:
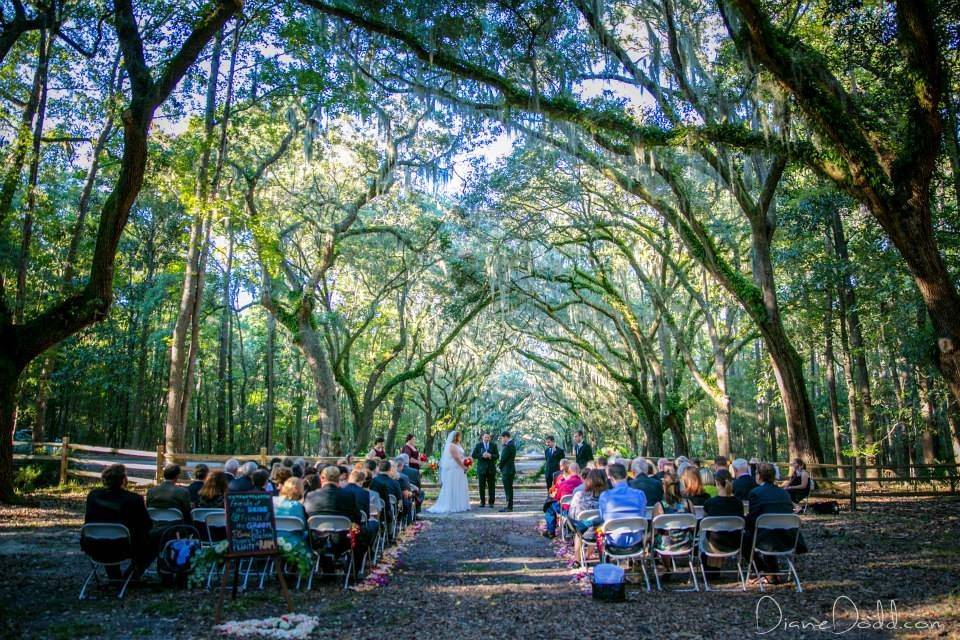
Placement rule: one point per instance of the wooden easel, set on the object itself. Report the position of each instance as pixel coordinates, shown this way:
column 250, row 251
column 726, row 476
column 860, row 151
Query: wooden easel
column 233, row 562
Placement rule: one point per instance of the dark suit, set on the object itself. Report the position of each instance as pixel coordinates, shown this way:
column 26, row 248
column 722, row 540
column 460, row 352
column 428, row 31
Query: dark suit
column 508, row 470
column 127, row 508
column 766, row 498
column 552, row 458
column 331, row 500
column 385, row 486
column 584, row 453
column 743, row 485
column 168, row 495
column 486, row 470
column 413, row 475
column 194, row 489
column 360, row 495
column 652, row 487
column 238, row 485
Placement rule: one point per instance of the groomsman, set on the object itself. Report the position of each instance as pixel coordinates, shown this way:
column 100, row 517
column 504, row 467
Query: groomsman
column 508, row 470
column 485, row 455
column 552, row 457
column 582, row 450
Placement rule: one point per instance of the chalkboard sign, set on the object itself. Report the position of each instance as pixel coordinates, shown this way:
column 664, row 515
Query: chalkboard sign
column 251, row 529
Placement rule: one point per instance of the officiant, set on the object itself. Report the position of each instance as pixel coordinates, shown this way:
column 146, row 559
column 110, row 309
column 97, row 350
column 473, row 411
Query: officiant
column 485, row 455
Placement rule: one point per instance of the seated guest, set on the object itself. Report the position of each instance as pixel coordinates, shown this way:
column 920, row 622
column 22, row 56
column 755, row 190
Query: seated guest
column 261, row 480
column 114, row 504
column 213, row 490
column 406, row 487
column 723, row 504
column 287, row 462
column 692, row 487
column 720, row 462
column 362, row 497
column 652, row 487
column 621, row 501
column 244, row 480
column 798, row 486
column 743, row 482
column 413, row 475
column 587, row 499
column 661, row 467
column 563, row 487
column 672, row 502
column 601, row 463
column 230, row 469
column 288, row 504
column 167, row 495
column 385, row 486
column 766, row 498
column 200, row 473
column 330, row 499
column 280, row 475
column 311, row 482
column 559, row 476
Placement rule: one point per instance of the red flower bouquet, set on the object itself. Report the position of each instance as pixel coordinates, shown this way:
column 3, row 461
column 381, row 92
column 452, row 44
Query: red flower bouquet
column 423, row 457
column 467, row 462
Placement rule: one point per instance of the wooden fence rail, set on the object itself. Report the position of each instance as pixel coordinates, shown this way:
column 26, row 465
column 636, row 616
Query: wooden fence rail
column 830, row 480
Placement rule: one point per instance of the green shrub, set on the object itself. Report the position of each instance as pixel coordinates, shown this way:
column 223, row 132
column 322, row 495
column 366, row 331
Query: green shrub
column 36, row 475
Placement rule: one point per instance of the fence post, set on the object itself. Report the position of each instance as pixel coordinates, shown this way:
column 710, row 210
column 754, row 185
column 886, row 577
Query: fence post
column 159, row 475
column 853, row 486
column 263, row 456
column 64, row 453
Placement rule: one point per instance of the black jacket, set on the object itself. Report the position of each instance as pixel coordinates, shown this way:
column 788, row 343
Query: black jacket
column 485, row 465
column 584, row 454
column 769, row 498
column 331, row 500
column 413, row 475
column 507, row 458
column 552, row 460
column 743, row 485
column 237, row 485
column 386, row 486
column 652, row 487
column 122, row 507
column 360, row 495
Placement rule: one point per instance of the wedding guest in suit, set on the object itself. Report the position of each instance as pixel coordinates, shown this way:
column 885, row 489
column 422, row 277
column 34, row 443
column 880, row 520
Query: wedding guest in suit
column 213, row 490
column 200, row 473
column 621, row 501
column 743, row 482
column 662, row 465
column 582, row 450
column 508, row 470
column 244, row 480
column 230, row 469
column 485, row 455
column 406, row 488
column 643, row 481
column 385, row 486
column 410, row 449
column 362, row 496
column 552, row 456
column 378, row 451
column 767, row 497
column 330, row 499
column 113, row 503
column 167, row 495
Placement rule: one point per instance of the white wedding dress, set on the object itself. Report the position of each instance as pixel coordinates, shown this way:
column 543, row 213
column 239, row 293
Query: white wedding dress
column 454, row 494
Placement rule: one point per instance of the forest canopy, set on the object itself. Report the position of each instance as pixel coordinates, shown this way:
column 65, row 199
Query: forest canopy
column 683, row 227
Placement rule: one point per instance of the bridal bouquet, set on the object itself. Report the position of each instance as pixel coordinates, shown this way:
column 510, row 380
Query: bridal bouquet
column 467, row 462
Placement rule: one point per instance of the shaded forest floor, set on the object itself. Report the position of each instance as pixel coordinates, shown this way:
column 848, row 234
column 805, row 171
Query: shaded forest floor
column 492, row 574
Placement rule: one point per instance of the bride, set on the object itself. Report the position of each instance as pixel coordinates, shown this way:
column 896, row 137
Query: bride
column 454, row 494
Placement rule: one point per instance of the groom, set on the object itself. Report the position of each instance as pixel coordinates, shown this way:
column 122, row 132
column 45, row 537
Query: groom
column 508, row 471
column 486, row 454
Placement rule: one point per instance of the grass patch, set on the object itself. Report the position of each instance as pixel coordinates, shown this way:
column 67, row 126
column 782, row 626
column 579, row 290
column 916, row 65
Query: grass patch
column 74, row 629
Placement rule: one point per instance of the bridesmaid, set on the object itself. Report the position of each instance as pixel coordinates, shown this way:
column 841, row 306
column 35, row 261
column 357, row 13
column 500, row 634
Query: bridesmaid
column 410, row 448
column 378, row 451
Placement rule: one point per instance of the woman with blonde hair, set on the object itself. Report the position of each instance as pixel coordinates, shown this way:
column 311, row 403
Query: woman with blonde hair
column 288, row 503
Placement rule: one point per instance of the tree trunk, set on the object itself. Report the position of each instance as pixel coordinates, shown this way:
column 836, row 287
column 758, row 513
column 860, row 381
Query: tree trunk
column 953, row 422
column 396, row 414
column 328, row 408
column 9, row 383
column 858, row 359
column 271, row 383
column 853, row 406
column 832, row 379
column 226, row 314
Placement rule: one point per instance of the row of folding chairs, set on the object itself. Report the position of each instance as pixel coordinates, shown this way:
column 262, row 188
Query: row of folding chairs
column 701, row 546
